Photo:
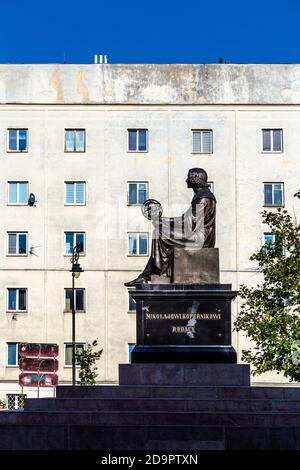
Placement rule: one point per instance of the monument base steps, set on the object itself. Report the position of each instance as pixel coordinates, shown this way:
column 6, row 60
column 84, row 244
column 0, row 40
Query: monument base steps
column 160, row 407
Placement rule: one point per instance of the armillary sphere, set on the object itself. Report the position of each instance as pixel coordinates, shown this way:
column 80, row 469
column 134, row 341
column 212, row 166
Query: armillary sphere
column 151, row 209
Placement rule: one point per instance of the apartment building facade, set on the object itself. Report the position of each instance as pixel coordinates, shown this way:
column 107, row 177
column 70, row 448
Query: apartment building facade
column 82, row 146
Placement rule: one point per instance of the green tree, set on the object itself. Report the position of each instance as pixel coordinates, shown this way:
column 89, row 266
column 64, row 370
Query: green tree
column 270, row 313
column 87, row 363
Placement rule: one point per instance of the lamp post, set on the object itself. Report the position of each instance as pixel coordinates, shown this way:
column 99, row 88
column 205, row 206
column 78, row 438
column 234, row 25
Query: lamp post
column 76, row 270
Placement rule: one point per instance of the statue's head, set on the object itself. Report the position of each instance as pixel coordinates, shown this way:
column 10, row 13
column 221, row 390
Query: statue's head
column 197, row 178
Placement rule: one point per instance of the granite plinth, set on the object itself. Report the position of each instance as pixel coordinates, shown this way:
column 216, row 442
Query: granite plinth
column 184, row 374
column 196, row 266
column 214, row 354
column 183, row 323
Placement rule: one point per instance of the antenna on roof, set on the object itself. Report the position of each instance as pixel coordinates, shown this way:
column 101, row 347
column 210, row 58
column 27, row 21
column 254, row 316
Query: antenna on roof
column 65, row 57
column 221, row 60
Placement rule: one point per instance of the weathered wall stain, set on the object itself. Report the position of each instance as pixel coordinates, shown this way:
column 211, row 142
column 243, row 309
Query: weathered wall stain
column 56, row 83
column 82, row 88
column 151, row 83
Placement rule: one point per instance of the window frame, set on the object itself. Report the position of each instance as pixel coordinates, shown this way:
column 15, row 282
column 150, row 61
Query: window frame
column 138, row 129
column 18, row 129
column 17, row 299
column 84, row 300
column 264, row 241
column 18, row 193
column 137, row 183
column 282, row 192
column 271, row 129
column 75, row 203
column 69, row 366
column 83, row 253
column 138, row 244
column 17, row 244
column 267, row 233
column 75, row 129
column 17, row 355
column 212, row 141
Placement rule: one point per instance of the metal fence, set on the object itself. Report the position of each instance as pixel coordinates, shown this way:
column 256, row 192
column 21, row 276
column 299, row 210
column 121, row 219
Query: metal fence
column 15, row 401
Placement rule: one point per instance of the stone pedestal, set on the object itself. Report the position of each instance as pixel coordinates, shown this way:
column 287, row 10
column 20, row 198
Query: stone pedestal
column 200, row 266
column 183, row 323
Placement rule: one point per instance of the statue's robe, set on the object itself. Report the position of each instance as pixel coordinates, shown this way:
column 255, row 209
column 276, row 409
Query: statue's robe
column 194, row 229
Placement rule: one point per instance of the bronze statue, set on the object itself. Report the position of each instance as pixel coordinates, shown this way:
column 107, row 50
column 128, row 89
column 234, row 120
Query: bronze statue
column 194, row 229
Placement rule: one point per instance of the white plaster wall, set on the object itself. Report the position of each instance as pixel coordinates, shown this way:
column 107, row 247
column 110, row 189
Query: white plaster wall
column 237, row 167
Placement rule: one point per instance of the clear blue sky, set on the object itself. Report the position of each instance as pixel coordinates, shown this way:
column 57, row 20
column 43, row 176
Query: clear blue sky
column 153, row 31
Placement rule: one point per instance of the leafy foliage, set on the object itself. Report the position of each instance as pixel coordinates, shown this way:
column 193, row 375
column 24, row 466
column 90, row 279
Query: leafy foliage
column 270, row 314
column 87, row 363
column 3, row 404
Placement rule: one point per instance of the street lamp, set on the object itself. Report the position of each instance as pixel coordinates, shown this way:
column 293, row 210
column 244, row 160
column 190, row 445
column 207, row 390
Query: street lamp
column 76, row 270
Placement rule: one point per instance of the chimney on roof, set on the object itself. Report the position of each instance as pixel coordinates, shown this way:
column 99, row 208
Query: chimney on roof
column 100, row 59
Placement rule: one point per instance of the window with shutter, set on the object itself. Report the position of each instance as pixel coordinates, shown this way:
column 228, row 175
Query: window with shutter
column 197, row 141
column 273, row 194
column 137, row 192
column 202, row 141
column 272, row 140
column 137, row 140
column 80, row 193
column 138, row 244
column 17, row 244
column 75, row 140
column 17, row 140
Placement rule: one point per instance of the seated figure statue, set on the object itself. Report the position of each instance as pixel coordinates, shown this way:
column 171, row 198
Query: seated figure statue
column 194, row 229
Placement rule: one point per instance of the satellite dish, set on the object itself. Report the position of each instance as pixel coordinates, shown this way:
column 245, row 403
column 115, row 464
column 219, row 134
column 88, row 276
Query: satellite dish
column 31, row 200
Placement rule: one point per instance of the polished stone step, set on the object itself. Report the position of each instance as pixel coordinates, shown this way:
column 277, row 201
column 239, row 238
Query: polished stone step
column 169, row 391
column 161, row 404
column 150, row 418
column 160, row 407
column 184, row 374
column 89, row 437
column 193, row 444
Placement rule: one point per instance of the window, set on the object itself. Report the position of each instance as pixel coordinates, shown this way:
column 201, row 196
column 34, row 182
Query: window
column 211, row 186
column 202, row 141
column 18, row 192
column 75, row 193
column 79, row 347
column 273, row 194
column 17, row 243
column 79, row 300
column 75, row 140
column 137, row 192
column 13, row 354
column 72, row 239
column 138, row 244
column 272, row 140
column 137, row 140
column 268, row 240
column 130, row 348
column 131, row 304
column 17, row 140
column 16, row 300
